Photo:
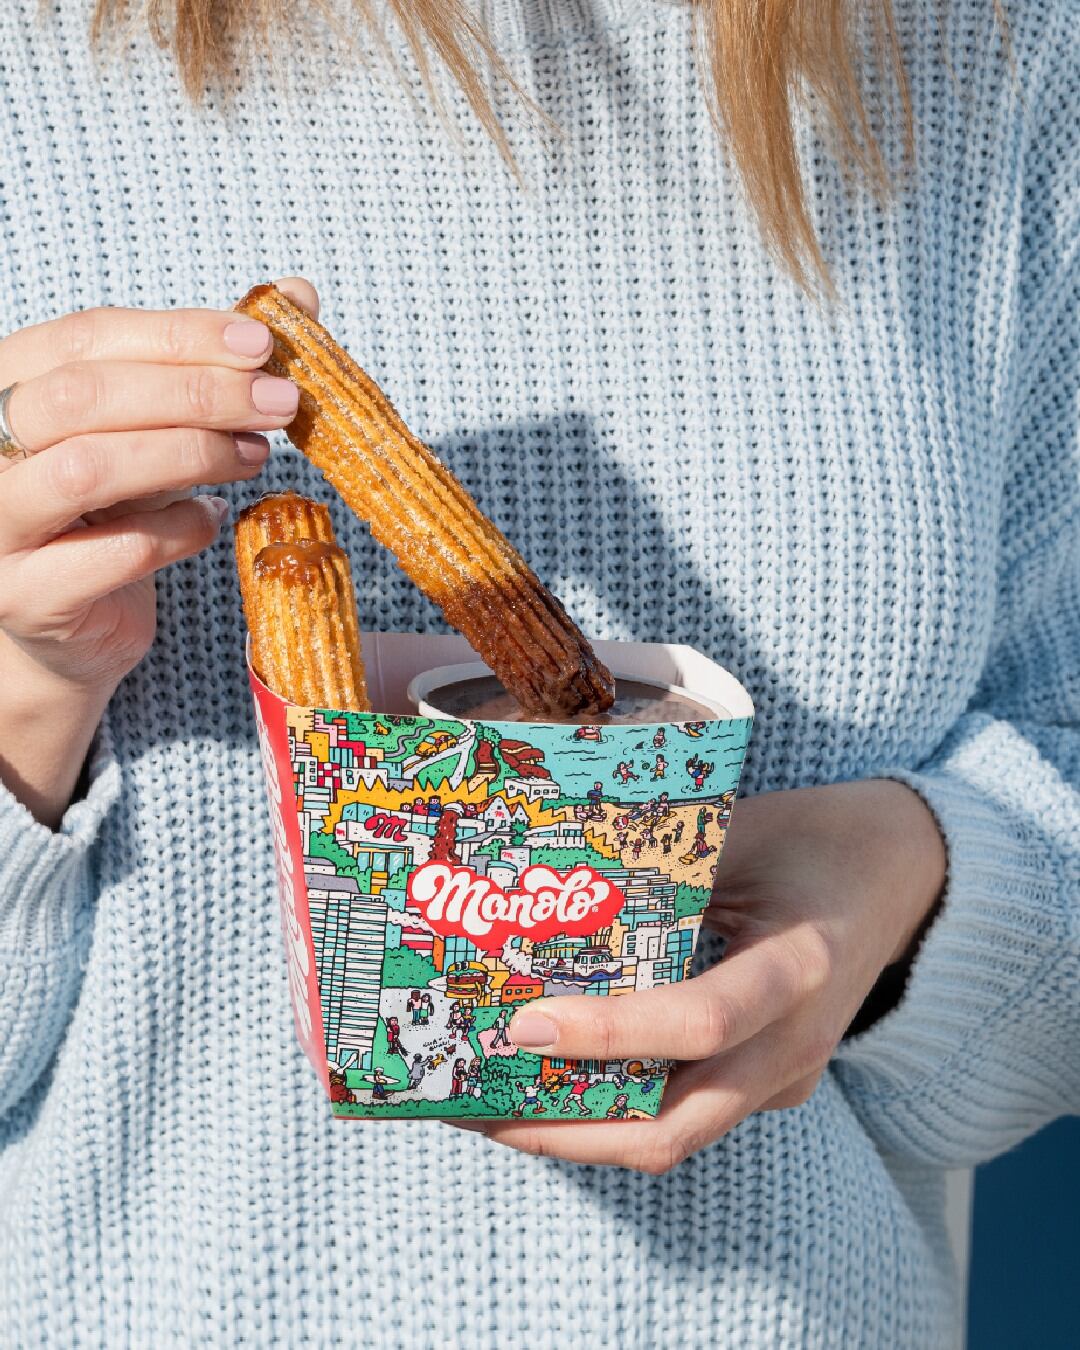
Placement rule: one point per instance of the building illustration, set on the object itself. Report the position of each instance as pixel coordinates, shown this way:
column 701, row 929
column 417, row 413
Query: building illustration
column 506, row 820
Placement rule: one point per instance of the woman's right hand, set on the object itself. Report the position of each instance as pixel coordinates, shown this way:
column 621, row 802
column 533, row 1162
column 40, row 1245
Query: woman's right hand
column 123, row 412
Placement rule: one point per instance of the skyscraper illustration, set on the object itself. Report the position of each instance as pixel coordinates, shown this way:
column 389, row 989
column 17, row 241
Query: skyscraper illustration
column 348, row 931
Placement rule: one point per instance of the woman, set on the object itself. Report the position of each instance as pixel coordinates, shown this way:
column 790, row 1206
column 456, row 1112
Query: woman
column 865, row 503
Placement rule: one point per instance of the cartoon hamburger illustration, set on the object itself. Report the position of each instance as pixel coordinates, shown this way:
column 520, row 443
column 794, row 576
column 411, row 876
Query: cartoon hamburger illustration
column 467, row 979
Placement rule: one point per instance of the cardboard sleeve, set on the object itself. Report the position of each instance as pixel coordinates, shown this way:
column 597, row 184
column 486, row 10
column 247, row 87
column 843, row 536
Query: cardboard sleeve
column 436, row 874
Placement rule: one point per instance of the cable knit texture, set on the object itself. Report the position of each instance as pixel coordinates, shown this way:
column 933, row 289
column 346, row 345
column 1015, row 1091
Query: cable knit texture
column 871, row 513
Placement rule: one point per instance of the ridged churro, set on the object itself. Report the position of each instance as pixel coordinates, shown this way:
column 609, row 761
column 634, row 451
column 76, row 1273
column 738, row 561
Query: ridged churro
column 417, row 508
column 276, row 518
column 305, row 640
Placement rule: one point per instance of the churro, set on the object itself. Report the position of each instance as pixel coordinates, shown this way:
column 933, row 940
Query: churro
column 305, row 639
column 276, row 518
column 416, row 507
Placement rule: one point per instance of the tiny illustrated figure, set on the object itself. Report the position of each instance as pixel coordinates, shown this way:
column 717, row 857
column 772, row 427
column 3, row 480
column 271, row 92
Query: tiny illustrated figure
column 665, row 843
column 500, row 1025
column 679, row 827
column 624, row 772
column 393, row 1037
column 417, row 1069
column 636, row 1072
column 413, row 1005
column 698, row 770
column 457, row 1078
column 472, row 1078
column 379, row 1082
column 701, row 848
column 556, row 1080
column 595, row 798
column 339, row 1092
column 693, row 728
column 576, row 1095
column 659, row 768
column 466, row 1017
column 427, row 1009
column 635, row 849
column 659, row 740
column 618, row 1108
column 587, row 733
column 530, row 1096
column 663, row 806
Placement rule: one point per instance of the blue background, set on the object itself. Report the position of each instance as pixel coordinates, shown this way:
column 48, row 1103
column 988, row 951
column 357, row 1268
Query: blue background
column 1025, row 1256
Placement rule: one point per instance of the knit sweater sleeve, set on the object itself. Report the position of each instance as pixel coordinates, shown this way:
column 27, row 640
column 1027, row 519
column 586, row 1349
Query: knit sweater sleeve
column 984, row 1047
column 47, row 893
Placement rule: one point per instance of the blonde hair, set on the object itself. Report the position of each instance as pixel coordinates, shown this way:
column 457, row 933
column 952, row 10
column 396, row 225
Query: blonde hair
column 758, row 57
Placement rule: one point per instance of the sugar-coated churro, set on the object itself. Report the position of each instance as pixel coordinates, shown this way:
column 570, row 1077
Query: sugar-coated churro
column 305, row 639
column 276, row 518
column 417, row 508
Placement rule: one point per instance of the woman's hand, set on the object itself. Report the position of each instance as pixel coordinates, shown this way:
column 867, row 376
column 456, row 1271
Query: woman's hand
column 818, row 889
column 122, row 412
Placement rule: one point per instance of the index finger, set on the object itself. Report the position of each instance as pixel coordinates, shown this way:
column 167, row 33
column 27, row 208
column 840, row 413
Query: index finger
column 170, row 336
column 180, row 337
column 751, row 988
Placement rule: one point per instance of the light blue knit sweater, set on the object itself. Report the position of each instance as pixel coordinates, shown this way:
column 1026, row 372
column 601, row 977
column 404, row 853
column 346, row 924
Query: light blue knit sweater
column 871, row 514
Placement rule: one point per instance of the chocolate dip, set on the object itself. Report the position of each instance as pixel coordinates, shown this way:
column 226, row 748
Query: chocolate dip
column 484, row 699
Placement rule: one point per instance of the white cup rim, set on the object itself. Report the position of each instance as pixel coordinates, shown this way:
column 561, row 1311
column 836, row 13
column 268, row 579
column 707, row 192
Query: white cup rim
column 422, row 685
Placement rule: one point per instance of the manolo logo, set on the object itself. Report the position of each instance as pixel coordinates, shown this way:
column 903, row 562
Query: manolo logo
column 295, row 943
column 384, row 826
column 457, row 900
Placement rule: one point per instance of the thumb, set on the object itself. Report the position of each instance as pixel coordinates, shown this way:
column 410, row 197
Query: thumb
column 301, row 292
column 694, row 1019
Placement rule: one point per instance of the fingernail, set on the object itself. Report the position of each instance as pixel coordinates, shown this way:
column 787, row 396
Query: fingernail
column 251, row 448
column 274, row 397
column 247, row 337
column 219, row 506
column 532, row 1030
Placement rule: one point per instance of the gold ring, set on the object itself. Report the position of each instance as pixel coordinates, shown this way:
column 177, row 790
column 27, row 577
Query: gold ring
column 9, row 444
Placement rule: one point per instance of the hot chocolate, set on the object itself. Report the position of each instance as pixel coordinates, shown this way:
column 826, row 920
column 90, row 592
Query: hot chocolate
column 485, row 700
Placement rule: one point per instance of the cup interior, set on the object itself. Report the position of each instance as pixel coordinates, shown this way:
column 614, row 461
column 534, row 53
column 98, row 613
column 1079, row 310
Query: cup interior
column 424, row 688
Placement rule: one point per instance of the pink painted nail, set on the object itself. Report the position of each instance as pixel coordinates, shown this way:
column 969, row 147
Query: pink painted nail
column 251, row 448
column 533, row 1030
column 274, row 397
column 247, row 337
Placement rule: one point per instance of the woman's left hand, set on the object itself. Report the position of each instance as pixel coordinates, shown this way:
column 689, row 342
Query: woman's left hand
column 818, row 890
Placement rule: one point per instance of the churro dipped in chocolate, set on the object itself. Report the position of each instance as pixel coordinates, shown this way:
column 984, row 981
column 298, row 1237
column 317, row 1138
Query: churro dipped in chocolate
column 417, row 508
column 276, row 518
column 305, row 639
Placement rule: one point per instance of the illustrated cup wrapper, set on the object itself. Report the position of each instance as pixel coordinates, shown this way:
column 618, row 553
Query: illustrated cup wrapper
column 436, row 874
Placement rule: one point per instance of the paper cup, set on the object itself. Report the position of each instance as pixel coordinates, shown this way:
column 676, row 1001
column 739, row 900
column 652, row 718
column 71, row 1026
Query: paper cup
column 436, row 874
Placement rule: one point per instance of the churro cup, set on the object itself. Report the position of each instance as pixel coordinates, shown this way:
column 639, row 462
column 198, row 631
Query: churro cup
column 437, row 872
